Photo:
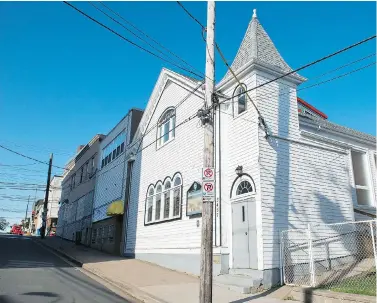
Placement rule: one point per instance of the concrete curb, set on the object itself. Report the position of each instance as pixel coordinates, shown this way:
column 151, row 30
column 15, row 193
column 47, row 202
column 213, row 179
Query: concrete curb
column 124, row 290
column 64, row 255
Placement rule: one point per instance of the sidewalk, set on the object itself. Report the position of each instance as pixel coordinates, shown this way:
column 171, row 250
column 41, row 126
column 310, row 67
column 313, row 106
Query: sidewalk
column 145, row 281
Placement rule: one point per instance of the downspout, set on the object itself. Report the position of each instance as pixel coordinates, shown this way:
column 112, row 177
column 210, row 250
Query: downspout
column 220, row 175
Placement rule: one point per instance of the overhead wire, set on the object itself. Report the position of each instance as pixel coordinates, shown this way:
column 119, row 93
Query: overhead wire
column 129, row 41
column 100, row 173
column 277, row 94
column 30, row 158
column 295, row 70
column 143, row 33
column 312, row 63
column 147, row 131
column 343, row 66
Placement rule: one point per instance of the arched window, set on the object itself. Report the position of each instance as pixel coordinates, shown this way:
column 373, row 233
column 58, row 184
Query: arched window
column 158, row 202
column 164, row 200
column 177, row 196
column 166, row 127
column 244, row 188
column 167, row 192
column 241, row 98
column 150, row 204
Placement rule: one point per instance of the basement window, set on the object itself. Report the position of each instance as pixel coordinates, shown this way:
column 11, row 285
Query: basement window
column 362, row 178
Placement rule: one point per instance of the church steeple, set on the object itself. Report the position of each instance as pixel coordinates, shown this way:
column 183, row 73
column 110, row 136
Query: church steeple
column 257, row 46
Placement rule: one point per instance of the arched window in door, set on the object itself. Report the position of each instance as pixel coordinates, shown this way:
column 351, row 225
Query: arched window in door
column 244, row 188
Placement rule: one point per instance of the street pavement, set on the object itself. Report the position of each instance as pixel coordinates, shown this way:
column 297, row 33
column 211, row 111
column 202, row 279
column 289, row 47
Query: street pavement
column 30, row 273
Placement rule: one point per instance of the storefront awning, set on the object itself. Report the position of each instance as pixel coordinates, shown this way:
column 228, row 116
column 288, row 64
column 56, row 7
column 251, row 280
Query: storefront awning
column 115, row 208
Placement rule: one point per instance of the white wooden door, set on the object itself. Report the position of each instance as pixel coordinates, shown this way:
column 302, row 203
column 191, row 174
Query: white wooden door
column 240, row 234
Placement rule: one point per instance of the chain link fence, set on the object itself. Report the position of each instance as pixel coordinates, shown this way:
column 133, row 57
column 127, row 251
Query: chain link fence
column 339, row 257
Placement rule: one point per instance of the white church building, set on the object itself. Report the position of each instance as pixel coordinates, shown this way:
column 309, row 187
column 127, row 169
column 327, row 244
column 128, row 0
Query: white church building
column 306, row 170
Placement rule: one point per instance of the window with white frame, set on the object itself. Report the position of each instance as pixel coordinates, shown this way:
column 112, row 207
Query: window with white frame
column 241, row 98
column 158, row 202
column 361, row 174
column 166, row 127
column 177, row 196
column 164, row 201
column 150, row 205
column 167, row 194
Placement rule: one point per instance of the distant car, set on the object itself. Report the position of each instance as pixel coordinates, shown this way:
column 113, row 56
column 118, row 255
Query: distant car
column 16, row 230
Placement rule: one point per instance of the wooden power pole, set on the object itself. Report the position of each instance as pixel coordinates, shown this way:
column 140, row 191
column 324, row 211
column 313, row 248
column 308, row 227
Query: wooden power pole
column 27, row 209
column 208, row 163
column 44, row 214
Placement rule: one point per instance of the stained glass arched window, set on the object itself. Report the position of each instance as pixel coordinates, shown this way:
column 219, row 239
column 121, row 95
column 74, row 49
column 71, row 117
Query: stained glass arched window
column 244, row 188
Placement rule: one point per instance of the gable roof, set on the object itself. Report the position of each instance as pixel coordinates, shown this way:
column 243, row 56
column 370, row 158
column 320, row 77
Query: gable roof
column 165, row 76
column 257, row 46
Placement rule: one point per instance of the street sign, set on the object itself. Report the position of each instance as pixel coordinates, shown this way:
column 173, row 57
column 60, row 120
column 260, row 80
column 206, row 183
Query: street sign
column 208, row 174
column 208, row 191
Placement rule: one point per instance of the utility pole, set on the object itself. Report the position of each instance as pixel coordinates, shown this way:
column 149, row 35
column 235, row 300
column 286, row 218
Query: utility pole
column 206, row 116
column 27, row 208
column 44, row 214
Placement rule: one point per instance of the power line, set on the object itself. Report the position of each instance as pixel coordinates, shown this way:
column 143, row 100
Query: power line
column 309, row 64
column 311, row 86
column 317, row 77
column 140, row 150
column 16, row 165
column 175, row 107
column 192, row 17
column 12, row 210
column 293, row 71
column 30, row 158
column 338, row 77
column 38, row 149
column 140, row 31
column 129, row 41
column 316, row 84
column 343, row 66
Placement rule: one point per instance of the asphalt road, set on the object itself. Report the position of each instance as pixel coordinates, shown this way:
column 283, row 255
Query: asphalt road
column 30, row 273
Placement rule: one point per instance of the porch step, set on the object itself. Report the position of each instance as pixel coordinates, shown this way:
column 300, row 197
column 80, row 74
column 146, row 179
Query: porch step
column 238, row 283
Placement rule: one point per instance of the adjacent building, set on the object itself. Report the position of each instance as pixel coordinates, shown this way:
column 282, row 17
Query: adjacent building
column 75, row 216
column 109, row 194
column 277, row 168
column 53, row 204
column 37, row 216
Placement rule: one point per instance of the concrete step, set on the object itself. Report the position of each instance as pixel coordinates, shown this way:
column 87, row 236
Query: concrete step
column 238, row 283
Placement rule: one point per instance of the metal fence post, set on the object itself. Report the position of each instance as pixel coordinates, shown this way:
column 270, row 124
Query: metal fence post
column 311, row 259
column 374, row 243
column 281, row 259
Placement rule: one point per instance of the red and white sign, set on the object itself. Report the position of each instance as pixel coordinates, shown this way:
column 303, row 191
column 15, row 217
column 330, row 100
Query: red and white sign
column 208, row 190
column 208, row 174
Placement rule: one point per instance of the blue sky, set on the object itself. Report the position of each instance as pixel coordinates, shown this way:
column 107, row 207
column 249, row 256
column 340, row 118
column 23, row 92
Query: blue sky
column 63, row 78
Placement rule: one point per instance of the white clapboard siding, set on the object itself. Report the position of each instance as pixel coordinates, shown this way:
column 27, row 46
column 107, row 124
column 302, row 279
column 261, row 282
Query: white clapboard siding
column 184, row 155
column 300, row 184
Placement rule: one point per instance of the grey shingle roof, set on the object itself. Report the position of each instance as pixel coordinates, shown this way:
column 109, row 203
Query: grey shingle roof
column 257, row 45
column 338, row 128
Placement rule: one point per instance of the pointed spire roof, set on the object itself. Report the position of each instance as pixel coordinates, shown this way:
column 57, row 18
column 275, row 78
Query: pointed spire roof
column 258, row 46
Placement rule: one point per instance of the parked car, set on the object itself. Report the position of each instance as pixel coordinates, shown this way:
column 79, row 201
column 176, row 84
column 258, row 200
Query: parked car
column 16, row 230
